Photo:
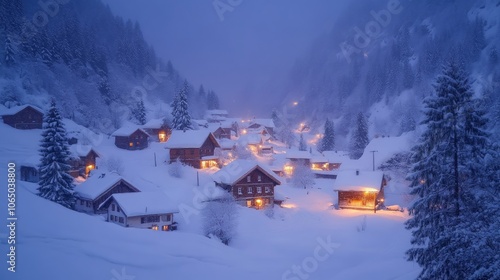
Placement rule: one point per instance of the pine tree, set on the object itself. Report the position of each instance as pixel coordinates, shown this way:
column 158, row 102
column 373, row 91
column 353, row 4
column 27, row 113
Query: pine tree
column 276, row 119
column 452, row 215
column 140, row 112
column 10, row 51
column 302, row 143
column 55, row 182
column 328, row 141
column 359, row 139
column 213, row 101
column 181, row 118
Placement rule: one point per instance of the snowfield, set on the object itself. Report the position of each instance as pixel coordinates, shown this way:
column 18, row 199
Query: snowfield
column 307, row 240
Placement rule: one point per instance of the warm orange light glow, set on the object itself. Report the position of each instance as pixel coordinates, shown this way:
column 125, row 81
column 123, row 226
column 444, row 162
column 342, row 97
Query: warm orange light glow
column 258, row 202
column 288, row 169
column 244, row 131
column 295, row 103
column 208, row 164
column 288, row 205
column 162, row 136
column 154, row 227
column 422, row 181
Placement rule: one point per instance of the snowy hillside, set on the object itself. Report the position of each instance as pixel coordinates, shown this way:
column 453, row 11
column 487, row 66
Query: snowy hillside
column 54, row 242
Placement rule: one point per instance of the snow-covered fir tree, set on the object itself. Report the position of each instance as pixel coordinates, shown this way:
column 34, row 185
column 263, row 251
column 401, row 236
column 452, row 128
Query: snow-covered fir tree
column 454, row 230
column 55, row 182
column 10, row 51
column 278, row 123
column 302, row 143
column 302, row 177
column 212, row 100
column 328, row 141
column 359, row 138
column 139, row 112
column 181, row 119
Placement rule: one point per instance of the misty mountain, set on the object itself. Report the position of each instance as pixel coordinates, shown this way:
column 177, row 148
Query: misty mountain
column 381, row 58
column 97, row 66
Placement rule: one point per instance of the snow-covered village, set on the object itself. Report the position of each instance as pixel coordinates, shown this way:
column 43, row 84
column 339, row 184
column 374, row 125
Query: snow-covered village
column 131, row 150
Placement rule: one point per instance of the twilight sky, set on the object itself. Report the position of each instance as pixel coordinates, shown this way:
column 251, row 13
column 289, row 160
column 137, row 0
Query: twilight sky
column 245, row 55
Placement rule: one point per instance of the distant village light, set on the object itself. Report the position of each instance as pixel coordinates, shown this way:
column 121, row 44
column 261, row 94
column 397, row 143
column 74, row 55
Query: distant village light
column 295, row 103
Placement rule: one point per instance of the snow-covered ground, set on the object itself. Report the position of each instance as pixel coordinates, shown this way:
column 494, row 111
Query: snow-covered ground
column 306, row 240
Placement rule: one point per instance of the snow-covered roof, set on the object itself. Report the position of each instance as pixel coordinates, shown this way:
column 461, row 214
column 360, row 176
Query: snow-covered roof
column 32, row 161
column 127, row 130
column 189, row 139
column 295, row 154
column 79, row 150
column 217, row 112
column 97, row 184
column 250, row 139
column 336, row 156
column 144, row 203
column 154, row 123
column 17, row 109
column 365, row 181
column 226, row 143
column 238, row 169
column 263, row 122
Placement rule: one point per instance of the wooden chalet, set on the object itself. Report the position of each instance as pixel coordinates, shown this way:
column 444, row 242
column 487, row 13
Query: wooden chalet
column 195, row 148
column 250, row 183
column 131, row 138
column 29, row 169
column 23, row 117
column 360, row 189
column 83, row 159
column 215, row 116
column 222, row 133
column 151, row 210
column 97, row 188
column 266, row 124
column 158, row 130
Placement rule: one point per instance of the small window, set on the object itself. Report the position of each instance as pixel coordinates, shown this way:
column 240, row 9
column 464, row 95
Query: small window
column 249, row 178
column 118, row 208
column 111, row 218
column 169, row 218
column 240, row 191
column 268, row 189
column 164, row 228
column 249, row 203
column 249, row 190
column 120, row 220
column 81, row 202
column 113, row 207
column 131, row 144
column 143, row 220
column 259, row 178
column 259, row 189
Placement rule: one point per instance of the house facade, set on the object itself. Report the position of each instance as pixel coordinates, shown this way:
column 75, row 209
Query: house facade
column 131, row 138
column 148, row 210
column 253, row 186
column 362, row 190
column 158, row 130
column 195, row 148
column 23, row 117
column 96, row 189
column 83, row 160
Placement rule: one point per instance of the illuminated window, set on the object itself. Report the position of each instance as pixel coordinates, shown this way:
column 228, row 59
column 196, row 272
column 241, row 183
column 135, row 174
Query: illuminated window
column 249, row 203
column 154, row 227
column 113, row 207
column 131, row 144
column 164, row 228
column 240, row 191
column 259, row 189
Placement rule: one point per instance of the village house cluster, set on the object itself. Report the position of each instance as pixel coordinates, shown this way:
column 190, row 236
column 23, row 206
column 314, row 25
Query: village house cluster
column 215, row 144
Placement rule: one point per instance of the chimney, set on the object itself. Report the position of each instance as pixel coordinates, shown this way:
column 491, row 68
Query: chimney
column 357, row 172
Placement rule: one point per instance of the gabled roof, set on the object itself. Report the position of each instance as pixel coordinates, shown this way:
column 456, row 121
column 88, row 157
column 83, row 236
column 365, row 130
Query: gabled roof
column 31, row 161
column 98, row 184
column 189, row 139
column 154, row 123
column 142, row 203
column 238, row 169
column 79, row 150
column 263, row 122
column 251, row 139
column 16, row 109
column 365, row 181
column 127, row 131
